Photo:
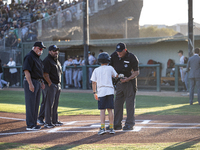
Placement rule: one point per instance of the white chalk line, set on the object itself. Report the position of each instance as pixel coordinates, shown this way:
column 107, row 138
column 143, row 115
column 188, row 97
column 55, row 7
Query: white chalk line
column 13, row 118
column 91, row 124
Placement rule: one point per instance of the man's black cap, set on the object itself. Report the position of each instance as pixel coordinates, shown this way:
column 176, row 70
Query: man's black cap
column 180, row 51
column 120, row 47
column 53, row 48
column 39, row 44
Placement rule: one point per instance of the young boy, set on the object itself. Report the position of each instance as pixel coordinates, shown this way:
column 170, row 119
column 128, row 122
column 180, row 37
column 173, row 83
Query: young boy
column 102, row 81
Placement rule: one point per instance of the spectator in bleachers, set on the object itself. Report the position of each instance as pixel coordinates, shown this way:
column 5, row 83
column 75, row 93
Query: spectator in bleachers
column 19, row 43
column 13, row 41
column 68, row 16
column 24, row 32
column 2, row 34
column 32, row 34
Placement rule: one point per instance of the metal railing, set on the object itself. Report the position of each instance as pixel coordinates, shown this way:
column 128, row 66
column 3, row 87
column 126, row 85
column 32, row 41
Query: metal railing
column 85, row 74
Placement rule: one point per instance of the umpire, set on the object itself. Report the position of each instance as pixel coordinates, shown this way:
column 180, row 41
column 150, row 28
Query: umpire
column 33, row 71
column 125, row 63
column 52, row 76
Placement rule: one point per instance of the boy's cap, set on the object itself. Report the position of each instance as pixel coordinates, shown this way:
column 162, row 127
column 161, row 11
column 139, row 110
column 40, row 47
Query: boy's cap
column 120, row 47
column 53, row 48
column 39, row 44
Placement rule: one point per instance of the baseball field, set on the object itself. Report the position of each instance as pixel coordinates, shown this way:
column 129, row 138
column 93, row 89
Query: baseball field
column 164, row 120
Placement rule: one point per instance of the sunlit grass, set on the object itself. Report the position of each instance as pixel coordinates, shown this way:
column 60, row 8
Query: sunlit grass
column 142, row 146
column 84, row 104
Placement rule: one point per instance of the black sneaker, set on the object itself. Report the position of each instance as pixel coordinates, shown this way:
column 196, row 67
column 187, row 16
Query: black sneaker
column 127, row 127
column 40, row 122
column 112, row 131
column 49, row 125
column 35, row 128
column 101, row 131
column 58, row 123
column 116, row 128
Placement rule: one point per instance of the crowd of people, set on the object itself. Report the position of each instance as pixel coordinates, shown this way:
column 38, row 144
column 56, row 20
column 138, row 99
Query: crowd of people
column 16, row 18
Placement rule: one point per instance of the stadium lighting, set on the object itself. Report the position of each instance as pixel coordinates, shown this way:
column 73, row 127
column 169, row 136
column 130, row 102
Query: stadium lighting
column 127, row 19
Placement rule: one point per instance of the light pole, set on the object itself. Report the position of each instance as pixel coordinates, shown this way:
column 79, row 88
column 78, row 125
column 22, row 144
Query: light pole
column 127, row 19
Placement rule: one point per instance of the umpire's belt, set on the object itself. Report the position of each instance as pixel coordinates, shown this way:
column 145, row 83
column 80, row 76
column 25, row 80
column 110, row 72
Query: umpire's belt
column 40, row 80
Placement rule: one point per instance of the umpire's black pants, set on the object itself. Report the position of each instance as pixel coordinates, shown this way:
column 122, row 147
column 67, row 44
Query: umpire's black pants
column 32, row 100
column 42, row 106
column 125, row 92
column 51, row 103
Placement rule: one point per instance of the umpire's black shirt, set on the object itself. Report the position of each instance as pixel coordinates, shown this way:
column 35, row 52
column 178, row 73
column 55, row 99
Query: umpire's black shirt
column 53, row 67
column 125, row 64
column 33, row 64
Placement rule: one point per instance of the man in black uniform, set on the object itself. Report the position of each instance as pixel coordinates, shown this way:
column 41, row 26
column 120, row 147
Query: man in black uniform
column 33, row 70
column 52, row 76
column 127, row 64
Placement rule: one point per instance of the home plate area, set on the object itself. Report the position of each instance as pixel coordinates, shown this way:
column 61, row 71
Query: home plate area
column 81, row 126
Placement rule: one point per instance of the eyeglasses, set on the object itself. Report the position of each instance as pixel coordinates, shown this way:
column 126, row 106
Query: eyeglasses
column 40, row 48
column 55, row 51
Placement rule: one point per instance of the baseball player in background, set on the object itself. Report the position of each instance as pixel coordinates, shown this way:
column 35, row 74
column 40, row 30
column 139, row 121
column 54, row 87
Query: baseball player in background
column 68, row 72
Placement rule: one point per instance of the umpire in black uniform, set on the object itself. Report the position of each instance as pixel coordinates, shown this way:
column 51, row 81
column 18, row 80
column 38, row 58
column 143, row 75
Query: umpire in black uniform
column 33, row 82
column 125, row 63
column 52, row 76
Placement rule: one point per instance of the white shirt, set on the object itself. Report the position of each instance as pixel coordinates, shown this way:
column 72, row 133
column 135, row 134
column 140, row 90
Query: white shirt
column 103, row 77
column 12, row 64
column 182, row 60
column 91, row 60
column 66, row 63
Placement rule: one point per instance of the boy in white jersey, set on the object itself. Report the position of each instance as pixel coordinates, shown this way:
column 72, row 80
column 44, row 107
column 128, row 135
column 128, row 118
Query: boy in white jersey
column 104, row 90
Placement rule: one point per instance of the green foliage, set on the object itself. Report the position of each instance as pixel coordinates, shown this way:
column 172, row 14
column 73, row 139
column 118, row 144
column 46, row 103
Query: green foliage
column 156, row 32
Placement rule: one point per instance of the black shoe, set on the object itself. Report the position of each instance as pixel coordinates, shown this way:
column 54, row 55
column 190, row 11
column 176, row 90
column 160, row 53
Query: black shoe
column 191, row 103
column 35, row 128
column 58, row 123
column 117, row 127
column 49, row 125
column 127, row 127
column 40, row 122
column 112, row 131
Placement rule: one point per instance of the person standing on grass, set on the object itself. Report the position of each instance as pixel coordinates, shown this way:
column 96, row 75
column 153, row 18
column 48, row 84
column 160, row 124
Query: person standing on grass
column 193, row 67
column 103, row 90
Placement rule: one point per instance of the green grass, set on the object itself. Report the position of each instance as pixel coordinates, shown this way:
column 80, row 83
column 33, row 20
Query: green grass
column 84, row 104
column 143, row 146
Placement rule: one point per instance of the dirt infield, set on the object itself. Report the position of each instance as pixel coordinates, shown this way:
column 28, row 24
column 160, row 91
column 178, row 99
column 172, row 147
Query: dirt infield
column 83, row 130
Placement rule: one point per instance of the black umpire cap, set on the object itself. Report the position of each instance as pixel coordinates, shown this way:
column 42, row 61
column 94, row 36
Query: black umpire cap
column 53, row 48
column 120, row 47
column 39, row 44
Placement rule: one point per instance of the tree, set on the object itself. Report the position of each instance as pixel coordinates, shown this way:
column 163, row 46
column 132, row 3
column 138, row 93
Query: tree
column 156, row 32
